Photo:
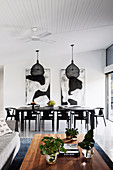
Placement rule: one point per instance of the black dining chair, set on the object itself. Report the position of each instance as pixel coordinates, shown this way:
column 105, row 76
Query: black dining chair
column 62, row 115
column 10, row 112
column 47, row 115
column 81, row 115
column 99, row 114
column 30, row 116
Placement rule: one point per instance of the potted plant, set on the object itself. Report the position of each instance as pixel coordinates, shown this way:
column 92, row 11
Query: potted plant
column 74, row 133
column 71, row 133
column 51, row 147
column 68, row 133
column 87, row 144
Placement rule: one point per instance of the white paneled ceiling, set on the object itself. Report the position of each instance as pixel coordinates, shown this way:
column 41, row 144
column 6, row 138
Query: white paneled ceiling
column 87, row 23
column 56, row 16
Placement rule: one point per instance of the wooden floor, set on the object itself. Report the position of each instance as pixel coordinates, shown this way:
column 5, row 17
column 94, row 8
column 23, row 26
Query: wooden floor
column 102, row 135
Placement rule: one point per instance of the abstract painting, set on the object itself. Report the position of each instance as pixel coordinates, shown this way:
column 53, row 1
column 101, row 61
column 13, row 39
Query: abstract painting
column 37, row 91
column 73, row 89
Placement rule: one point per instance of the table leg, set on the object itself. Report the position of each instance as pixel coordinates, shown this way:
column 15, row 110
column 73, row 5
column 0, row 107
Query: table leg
column 92, row 119
column 17, row 115
column 22, row 117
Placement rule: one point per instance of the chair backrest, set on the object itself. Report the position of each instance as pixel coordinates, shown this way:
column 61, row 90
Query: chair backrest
column 47, row 114
column 100, row 110
column 62, row 114
column 80, row 114
column 10, row 111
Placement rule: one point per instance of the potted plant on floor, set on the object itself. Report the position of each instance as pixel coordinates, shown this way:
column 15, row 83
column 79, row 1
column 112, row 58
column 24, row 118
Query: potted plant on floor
column 51, row 148
column 87, row 144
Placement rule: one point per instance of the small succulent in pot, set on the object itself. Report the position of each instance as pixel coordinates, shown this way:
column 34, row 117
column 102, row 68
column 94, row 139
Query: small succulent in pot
column 71, row 133
column 68, row 133
column 51, row 147
column 87, row 144
column 74, row 133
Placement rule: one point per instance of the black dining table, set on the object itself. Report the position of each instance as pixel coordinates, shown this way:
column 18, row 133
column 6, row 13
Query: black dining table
column 28, row 108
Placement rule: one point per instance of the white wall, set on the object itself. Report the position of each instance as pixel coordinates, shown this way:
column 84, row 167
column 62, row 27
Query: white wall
column 1, row 90
column 93, row 62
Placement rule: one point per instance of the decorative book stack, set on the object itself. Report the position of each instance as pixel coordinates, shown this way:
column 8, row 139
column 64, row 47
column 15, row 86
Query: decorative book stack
column 72, row 150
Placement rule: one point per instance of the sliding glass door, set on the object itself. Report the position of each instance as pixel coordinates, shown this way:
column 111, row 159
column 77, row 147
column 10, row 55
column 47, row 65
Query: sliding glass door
column 109, row 95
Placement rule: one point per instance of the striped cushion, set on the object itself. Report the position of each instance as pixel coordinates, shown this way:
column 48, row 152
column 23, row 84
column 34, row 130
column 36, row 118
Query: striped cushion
column 4, row 128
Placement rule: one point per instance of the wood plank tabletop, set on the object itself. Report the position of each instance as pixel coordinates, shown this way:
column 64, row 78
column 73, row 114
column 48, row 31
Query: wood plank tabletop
column 35, row 161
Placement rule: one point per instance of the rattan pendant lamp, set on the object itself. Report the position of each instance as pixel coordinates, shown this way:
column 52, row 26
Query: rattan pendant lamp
column 37, row 69
column 72, row 70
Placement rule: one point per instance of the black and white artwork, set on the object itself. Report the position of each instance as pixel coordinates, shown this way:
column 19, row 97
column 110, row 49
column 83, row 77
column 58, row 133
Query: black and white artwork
column 38, row 88
column 73, row 89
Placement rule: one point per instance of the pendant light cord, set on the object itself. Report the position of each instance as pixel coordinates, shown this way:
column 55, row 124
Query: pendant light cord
column 37, row 54
column 72, row 51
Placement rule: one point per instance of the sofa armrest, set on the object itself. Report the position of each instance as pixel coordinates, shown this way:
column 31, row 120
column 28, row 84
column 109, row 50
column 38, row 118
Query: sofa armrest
column 13, row 124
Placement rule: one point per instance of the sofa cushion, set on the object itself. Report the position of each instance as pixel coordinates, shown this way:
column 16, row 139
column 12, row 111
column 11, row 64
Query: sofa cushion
column 4, row 128
column 9, row 143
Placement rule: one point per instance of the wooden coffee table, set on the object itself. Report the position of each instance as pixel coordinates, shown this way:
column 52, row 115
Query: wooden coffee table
column 35, row 161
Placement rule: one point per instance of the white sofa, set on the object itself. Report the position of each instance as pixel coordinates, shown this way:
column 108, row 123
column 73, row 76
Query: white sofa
column 9, row 146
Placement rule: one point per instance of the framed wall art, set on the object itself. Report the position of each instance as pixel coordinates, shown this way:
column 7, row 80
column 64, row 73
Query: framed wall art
column 38, row 88
column 73, row 89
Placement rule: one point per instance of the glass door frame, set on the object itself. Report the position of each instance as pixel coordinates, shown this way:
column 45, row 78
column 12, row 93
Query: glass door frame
column 108, row 96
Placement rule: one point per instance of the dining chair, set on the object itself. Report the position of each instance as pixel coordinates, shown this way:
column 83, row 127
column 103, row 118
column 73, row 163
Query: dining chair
column 81, row 115
column 47, row 115
column 62, row 115
column 31, row 116
column 10, row 112
column 99, row 114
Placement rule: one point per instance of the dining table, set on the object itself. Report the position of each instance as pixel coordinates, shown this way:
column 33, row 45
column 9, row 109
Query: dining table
column 28, row 108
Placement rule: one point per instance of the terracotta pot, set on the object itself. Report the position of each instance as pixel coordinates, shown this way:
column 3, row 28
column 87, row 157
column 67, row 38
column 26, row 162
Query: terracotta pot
column 52, row 156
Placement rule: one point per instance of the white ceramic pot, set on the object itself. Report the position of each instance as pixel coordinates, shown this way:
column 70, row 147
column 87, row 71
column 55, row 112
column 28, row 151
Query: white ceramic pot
column 52, row 156
column 74, row 138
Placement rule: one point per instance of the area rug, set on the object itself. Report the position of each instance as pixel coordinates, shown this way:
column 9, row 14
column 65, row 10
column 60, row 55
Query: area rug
column 25, row 142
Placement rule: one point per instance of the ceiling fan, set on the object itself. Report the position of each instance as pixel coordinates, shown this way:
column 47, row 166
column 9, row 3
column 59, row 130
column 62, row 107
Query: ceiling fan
column 38, row 37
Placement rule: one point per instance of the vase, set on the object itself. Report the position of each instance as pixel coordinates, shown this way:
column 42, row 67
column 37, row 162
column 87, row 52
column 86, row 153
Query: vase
column 51, row 157
column 88, row 153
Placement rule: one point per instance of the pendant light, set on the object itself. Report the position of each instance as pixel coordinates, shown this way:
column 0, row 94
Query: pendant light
column 72, row 70
column 37, row 69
